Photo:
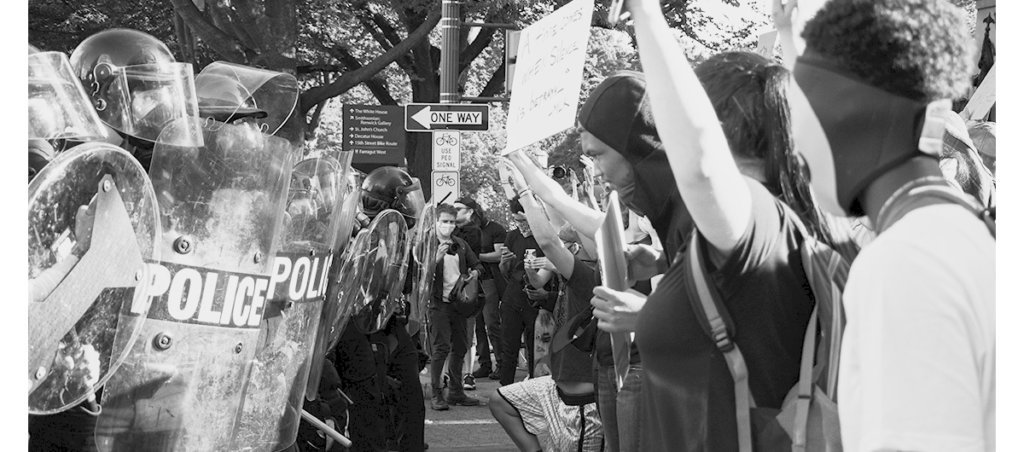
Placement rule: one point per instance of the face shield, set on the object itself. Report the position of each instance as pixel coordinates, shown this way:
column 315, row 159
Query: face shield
column 140, row 101
column 230, row 92
column 58, row 107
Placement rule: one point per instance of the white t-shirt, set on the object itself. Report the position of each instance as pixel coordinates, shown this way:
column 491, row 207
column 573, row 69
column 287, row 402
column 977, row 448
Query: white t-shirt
column 917, row 369
column 451, row 274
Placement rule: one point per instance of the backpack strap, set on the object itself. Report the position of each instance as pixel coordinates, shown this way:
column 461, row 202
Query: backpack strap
column 805, row 386
column 707, row 304
column 920, row 195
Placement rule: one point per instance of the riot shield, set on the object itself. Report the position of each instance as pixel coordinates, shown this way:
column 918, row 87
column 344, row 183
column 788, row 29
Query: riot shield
column 58, row 107
column 272, row 400
column 221, row 208
column 387, row 243
column 357, row 283
column 424, row 248
column 92, row 225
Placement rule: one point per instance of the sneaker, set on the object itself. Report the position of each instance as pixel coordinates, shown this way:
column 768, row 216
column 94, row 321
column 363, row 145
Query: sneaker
column 482, row 372
column 469, row 383
column 494, row 376
column 461, row 399
column 437, row 402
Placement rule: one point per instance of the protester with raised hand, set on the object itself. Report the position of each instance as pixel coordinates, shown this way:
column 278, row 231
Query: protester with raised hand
column 556, row 412
column 619, row 139
column 750, row 239
column 919, row 351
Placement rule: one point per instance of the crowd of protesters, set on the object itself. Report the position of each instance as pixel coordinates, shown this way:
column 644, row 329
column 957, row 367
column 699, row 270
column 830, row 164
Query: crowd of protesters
column 734, row 166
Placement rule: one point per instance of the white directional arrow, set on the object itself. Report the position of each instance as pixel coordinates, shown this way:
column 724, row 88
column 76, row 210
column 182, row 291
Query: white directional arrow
column 423, row 117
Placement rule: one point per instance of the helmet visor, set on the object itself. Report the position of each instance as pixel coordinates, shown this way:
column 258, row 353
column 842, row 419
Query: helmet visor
column 264, row 97
column 58, row 107
column 142, row 100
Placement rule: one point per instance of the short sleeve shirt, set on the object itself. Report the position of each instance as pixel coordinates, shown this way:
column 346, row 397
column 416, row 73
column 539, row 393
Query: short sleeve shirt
column 490, row 234
column 919, row 349
column 688, row 390
column 518, row 245
column 569, row 363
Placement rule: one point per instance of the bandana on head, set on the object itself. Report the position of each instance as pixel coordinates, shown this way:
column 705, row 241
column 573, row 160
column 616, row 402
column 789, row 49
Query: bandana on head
column 850, row 132
column 618, row 113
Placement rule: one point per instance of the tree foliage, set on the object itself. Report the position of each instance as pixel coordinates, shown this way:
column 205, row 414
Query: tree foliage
column 386, row 52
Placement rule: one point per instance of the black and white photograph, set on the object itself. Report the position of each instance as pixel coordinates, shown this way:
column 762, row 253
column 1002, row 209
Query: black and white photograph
column 515, row 225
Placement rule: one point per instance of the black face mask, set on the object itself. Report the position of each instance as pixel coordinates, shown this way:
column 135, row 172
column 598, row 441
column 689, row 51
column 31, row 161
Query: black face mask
column 654, row 194
column 866, row 131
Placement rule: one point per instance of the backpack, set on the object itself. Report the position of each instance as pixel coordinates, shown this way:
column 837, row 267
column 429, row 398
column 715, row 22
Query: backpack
column 809, row 416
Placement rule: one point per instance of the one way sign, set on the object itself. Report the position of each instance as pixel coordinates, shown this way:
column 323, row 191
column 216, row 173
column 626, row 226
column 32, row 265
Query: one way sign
column 428, row 117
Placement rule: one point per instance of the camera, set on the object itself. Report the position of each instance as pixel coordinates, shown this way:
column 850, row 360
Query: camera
column 559, row 172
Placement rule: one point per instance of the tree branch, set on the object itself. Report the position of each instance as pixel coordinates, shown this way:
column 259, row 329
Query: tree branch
column 483, row 39
column 375, row 84
column 350, row 79
column 496, row 84
column 226, row 46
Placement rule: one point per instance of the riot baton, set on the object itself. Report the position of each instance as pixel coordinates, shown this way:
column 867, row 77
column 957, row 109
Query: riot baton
column 341, row 439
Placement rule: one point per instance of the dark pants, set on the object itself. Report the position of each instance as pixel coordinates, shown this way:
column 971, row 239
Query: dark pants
column 447, row 335
column 488, row 325
column 358, row 371
column 409, row 410
column 515, row 322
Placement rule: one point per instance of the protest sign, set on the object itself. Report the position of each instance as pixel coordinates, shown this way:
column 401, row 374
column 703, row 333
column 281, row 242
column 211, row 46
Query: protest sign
column 549, row 71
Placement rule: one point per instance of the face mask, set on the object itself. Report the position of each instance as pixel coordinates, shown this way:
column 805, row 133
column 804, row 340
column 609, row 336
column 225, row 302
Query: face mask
column 445, row 230
column 850, row 132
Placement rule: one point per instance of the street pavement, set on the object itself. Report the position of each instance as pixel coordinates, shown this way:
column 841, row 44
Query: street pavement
column 466, row 428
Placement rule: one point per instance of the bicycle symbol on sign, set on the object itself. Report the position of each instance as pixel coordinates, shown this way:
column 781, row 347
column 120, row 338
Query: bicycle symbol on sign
column 446, row 180
column 446, row 139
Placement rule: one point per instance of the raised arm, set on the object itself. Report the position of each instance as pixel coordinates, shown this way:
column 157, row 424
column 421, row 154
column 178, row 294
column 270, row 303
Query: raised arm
column 707, row 176
column 786, row 16
column 584, row 219
column 543, row 231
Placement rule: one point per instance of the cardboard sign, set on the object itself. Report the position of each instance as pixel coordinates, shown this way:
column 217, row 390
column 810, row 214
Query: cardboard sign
column 766, row 44
column 611, row 245
column 983, row 99
column 549, row 72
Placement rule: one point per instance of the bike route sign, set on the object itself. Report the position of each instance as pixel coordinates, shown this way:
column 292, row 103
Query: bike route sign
column 445, row 187
column 428, row 117
column 447, row 144
column 374, row 133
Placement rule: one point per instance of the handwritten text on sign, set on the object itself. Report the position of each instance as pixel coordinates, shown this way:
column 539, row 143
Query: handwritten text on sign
column 548, row 75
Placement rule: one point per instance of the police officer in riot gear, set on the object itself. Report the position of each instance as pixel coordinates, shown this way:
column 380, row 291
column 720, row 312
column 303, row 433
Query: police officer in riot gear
column 384, row 365
column 135, row 85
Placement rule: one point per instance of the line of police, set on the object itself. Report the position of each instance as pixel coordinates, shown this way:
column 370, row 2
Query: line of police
column 189, row 258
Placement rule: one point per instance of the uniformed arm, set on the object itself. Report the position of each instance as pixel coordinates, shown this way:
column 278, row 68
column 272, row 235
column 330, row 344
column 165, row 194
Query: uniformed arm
column 706, row 174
